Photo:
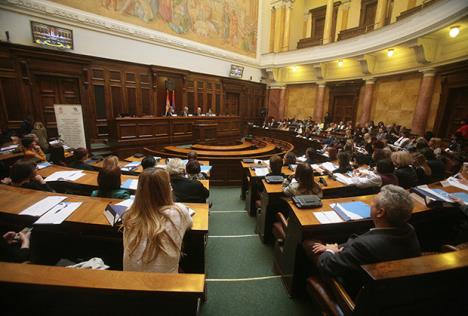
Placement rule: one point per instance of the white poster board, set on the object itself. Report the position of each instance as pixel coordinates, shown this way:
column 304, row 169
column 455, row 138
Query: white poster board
column 70, row 124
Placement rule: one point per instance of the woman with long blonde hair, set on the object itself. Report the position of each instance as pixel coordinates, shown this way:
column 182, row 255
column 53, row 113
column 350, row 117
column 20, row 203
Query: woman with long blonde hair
column 154, row 226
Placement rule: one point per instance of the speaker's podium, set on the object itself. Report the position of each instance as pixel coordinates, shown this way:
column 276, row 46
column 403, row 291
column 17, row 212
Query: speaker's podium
column 204, row 133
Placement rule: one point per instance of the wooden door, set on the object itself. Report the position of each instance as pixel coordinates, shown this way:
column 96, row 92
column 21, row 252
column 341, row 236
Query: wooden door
column 343, row 102
column 232, row 103
column 54, row 90
column 456, row 109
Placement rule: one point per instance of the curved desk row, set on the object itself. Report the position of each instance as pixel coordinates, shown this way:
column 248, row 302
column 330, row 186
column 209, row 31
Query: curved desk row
column 244, row 146
column 269, row 148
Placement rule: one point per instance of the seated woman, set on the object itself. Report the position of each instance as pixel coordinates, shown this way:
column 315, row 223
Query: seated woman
column 154, row 226
column 289, row 158
column 110, row 162
column 57, row 155
column 23, row 174
column 109, row 182
column 148, row 162
column 384, row 175
column 193, row 170
column 436, row 165
column 343, row 163
column 31, row 149
column 192, row 155
column 80, row 155
column 422, row 168
column 185, row 190
column 310, row 155
column 405, row 173
column 303, row 182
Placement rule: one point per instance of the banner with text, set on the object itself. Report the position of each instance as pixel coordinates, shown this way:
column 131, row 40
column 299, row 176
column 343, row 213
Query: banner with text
column 70, row 124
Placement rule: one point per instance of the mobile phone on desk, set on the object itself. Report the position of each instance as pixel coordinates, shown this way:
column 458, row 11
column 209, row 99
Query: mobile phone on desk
column 323, row 181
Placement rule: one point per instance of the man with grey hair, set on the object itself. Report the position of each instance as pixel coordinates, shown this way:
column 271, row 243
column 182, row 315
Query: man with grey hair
column 392, row 238
column 185, row 190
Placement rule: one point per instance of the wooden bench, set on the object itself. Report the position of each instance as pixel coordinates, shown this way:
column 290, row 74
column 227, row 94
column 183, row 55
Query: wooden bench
column 428, row 285
column 48, row 290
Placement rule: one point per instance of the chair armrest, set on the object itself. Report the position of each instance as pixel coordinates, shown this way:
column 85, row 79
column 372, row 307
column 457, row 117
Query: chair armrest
column 319, row 291
column 284, row 222
column 342, row 296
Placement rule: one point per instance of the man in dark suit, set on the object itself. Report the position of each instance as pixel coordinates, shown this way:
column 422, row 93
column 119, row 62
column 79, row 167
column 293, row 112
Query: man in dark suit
column 391, row 239
column 185, row 190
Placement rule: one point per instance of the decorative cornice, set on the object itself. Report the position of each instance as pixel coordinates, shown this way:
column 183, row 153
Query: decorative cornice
column 56, row 12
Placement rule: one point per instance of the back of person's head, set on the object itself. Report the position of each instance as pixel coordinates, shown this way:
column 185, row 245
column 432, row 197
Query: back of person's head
column 435, row 142
column 192, row 155
column 421, row 143
column 110, row 162
column 305, row 176
column 27, row 141
column 385, row 166
column 428, row 153
column 343, row 159
column 80, row 154
column 397, row 203
column 289, row 158
column 57, row 154
column 38, row 125
column 310, row 153
column 401, row 159
column 109, row 179
column 276, row 163
column 148, row 162
column 378, row 144
column 144, row 220
column 175, row 167
column 22, row 170
column 193, row 167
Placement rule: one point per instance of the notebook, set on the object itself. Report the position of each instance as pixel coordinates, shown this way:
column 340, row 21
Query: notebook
column 130, row 184
column 352, row 210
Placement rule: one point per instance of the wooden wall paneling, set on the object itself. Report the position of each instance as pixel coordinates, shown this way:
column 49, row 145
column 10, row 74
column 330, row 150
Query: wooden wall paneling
column 344, row 97
column 100, row 101
column 131, row 92
column 117, row 102
column 11, row 100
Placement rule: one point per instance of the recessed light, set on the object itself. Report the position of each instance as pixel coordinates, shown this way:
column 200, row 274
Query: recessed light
column 340, row 62
column 454, row 31
column 390, row 52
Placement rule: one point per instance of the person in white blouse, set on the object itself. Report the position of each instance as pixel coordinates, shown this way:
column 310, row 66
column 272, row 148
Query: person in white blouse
column 154, row 226
column 403, row 140
column 383, row 176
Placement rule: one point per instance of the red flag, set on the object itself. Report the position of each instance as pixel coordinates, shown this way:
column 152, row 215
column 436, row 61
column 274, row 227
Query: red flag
column 168, row 103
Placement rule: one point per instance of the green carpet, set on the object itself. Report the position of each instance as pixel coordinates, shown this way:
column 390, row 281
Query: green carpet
column 229, row 258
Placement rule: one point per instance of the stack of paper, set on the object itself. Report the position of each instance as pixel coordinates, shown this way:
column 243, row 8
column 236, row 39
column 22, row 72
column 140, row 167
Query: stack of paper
column 205, row 169
column 327, row 217
column 131, row 166
column 131, row 184
column 261, row 172
column 41, row 207
column 352, row 210
column 328, row 166
column 42, row 165
column 456, row 183
column 65, row 176
column 343, row 179
column 301, row 159
column 58, row 213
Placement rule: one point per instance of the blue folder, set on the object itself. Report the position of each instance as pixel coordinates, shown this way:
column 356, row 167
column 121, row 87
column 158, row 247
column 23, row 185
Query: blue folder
column 461, row 195
column 358, row 208
column 205, row 169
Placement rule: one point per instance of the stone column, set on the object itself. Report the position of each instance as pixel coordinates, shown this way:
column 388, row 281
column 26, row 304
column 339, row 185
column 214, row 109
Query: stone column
column 272, row 29
column 276, row 104
column 287, row 22
column 327, row 30
column 423, row 105
column 380, row 14
column 320, row 97
column 367, row 101
column 308, row 32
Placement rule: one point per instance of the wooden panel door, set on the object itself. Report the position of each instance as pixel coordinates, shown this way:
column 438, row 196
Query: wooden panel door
column 368, row 11
column 231, row 104
column 456, row 109
column 54, row 90
column 344, row 101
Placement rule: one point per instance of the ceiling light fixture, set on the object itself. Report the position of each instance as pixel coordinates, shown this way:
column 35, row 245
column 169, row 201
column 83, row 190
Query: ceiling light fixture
column 390, row 52
column 340, row 62
column 454, row 31
column 294, row 68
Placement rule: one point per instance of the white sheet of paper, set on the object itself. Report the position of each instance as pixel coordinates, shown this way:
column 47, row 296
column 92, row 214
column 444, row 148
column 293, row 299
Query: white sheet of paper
column 58, row 213
column 41, row 207
column 343, row 179
column 65, row 176
column 127, row 203
column 261, row 172
column 328, row 166
column 456, row 183
column 328, row 217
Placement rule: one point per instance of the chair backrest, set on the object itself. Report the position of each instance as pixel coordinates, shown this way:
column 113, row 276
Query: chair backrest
column 35, row 289
column 427, row 285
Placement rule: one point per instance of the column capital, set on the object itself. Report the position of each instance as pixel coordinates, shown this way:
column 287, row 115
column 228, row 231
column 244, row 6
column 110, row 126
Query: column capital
column 321, row 84
column 369, row 80
column 428, row 72
column 277, row 86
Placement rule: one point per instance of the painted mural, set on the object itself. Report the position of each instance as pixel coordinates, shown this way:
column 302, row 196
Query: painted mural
column 227, row 24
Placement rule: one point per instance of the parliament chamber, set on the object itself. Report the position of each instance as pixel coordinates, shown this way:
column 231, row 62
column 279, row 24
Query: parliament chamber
column 244, row 157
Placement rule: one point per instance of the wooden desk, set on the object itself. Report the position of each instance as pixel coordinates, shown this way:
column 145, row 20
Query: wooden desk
column 89, row 181
column 29, row 289
column 432, row 226
column 163, row 161
column 204, row 133
column 245, row 145
column 88, row 224
column 268, row 148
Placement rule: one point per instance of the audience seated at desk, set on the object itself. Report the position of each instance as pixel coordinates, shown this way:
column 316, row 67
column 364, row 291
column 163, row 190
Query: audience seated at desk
column 57, row 155
column 14, row 247
column 185, row 190
column 148, row 162
column 154, row 226
column 80, row 155
column 193, row 170
column 383, row 176
column 391, row 239
column 289, row 159
column 302, row 183
column 109, row 180
column 344, row 165
column 406, row 175
column 31, row 149
column 24, row 174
